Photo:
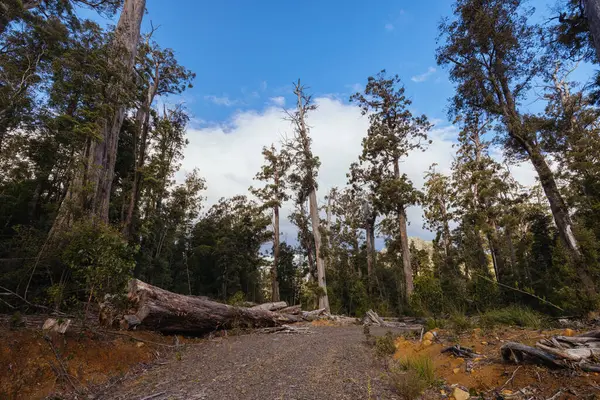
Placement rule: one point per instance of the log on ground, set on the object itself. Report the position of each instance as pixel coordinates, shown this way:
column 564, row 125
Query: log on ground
column 163, row 311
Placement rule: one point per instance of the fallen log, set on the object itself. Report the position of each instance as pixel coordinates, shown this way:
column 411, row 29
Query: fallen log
column 278, row 305
column 157, row 309
column 311, row 315
column 293, row 310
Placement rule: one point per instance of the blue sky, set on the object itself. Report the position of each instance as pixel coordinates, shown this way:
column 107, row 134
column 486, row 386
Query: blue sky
column 246, row 54
column 247, row 51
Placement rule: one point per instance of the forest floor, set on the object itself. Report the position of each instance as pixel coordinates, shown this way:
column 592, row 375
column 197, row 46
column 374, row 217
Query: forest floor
column 330, row 362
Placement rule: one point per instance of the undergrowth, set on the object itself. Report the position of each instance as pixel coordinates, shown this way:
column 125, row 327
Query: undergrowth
column 513, row 315
column 384, row 345
column 411, row 376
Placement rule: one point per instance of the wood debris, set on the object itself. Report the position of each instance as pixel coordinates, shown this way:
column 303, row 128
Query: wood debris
column 559, row 352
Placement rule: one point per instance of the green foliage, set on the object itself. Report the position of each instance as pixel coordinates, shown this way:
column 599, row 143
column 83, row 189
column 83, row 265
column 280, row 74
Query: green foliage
column 411, row 376
column 238, row 299
column 384, row 345
column 428, row 297
column 100, row 259
column 459, row 323
column 513, row 315
column 16, row 320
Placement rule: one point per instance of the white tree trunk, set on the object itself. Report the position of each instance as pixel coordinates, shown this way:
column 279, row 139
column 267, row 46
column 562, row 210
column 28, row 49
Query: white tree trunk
column 316, row 225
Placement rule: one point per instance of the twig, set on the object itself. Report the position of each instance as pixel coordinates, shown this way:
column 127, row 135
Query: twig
column 556, row 395
column 140, row 340
column 422, row 331
column 60, row 363
column 521, row 291
column 152, row 396
column 32, row 304
column 511, row 378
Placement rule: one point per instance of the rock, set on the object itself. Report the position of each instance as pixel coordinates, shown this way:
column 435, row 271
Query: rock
column 456, row 370
column 139, row 344
column 54, row 325
column 569, row 332
column 426, row 343
column 459, row 394
column 428, row 336
column 484, row 343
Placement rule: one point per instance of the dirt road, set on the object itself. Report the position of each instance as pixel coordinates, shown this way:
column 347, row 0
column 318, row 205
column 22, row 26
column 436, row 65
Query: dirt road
column 329, row 363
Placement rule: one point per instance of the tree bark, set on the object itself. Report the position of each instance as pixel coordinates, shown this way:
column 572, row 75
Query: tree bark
column 315, row 222
column 592, row 13
column 557, row 204
column 406, row 266
column 142, row 119
column 91, row 188
column 274, row 279
column 370, row 234
column 160, row 310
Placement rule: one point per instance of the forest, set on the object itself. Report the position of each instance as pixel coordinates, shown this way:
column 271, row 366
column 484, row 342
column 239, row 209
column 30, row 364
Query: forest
column 90, row 152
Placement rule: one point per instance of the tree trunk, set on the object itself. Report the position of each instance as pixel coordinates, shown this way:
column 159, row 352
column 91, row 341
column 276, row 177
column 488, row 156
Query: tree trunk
column 557, row 204
column 370, row 233
column 91, row 188
column 406, row 266
column 163, row 311
column 592, row 13
column 315, row 222
column 142, row 119
column 274, row 281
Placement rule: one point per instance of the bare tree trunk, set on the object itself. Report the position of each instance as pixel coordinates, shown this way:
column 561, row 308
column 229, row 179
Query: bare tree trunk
column 91, row 187
column 557, row 204
column 592, row 13
column 406, row 266
column 370, row 233
column 315, row 222
column 274, row 281
column 142, row 119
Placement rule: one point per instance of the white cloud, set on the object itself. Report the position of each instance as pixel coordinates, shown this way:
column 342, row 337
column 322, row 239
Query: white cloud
column 278, row 101
column 221, row 100
column 229, row 155
column 389, row 27
column 424, row 76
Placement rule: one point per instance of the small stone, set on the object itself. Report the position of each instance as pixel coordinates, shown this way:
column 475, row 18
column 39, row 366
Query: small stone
column 569, row 332
column 459, row 394
column 428, row 336
column 139, row 344
column 426, row 343
column 456, row 370
column 484, row 343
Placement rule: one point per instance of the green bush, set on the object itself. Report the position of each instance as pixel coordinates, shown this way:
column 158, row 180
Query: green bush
column 459, row 323
column 384, row 345
column 411, row 375
column 99, row 257
column 428, row 296
column 513, row 315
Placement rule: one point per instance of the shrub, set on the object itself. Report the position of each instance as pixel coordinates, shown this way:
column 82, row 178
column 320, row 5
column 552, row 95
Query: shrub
column 459, row 323
column 412, row 375
column 408, row 384
column 100, row 258
column 428, row 297
column 384, row 345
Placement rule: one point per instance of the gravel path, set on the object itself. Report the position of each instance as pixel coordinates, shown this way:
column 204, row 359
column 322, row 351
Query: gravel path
column 330, row 363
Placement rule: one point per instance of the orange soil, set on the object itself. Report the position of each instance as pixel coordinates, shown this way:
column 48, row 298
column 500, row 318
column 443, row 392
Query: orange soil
column 490, row 373
column 28, row 365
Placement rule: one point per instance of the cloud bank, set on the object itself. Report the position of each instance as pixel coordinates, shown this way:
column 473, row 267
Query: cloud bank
column 229, row 154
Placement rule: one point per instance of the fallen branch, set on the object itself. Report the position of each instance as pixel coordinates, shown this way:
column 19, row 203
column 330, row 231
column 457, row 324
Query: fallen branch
column 463, row 352
column 285, row 329
column 65, row 374
column 511, row 378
